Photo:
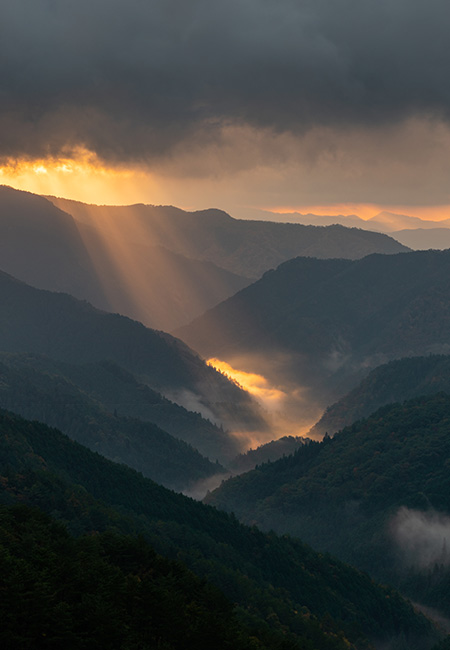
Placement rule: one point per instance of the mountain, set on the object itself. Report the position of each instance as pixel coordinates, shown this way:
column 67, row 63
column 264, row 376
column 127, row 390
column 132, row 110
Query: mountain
column 376, row 495
column 281, row 587
column 42, row 245
column 395, row 381
column 387, row 222
column 66, row 329
column 270, row 451
column 120, row 393
column 30, row 387
column 105, row 591
column 324, row 324
column 46, row 247
column 391, row 221
column 423, row 239
column 248, row 248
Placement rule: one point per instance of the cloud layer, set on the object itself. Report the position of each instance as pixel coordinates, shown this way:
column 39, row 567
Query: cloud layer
column 135, row 80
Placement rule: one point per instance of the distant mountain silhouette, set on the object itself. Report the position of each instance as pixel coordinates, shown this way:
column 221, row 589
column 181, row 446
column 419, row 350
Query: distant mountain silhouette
column 248, row 248
column 387, row 222
column 424, row 239
column 326, row 323
column 391, row 221
column 270, row 451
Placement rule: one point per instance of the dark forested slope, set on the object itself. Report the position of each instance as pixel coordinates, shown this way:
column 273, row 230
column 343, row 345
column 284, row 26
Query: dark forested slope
column 377, row 494
column 327, row 322
column 395, row 381
column 105, row 591
column 37, row 389
column 120, row 393
column 312, row 600
column 67, row 329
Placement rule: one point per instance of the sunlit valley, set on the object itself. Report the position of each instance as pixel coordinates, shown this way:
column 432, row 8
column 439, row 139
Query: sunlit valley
column 224, row 325
column 210, row 356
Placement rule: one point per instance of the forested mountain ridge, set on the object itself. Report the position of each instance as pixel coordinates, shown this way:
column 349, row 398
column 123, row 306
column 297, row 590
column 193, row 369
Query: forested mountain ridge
column 245, row 247
column 105, row 591
column 158, row 265
column 395, row 381
column 120, row 393
column 61, row 327
column 331, row 321
column 312, row 600
column 33, row 388
column 377, row 495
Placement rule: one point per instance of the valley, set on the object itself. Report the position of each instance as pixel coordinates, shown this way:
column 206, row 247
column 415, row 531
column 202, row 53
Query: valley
column 281, row 399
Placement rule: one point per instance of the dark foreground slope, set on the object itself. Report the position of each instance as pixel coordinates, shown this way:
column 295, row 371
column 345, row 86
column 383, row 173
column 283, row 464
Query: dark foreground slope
column 308, row 600
column 326, row 323
column 395, row 381
column 377, row 495
column 67, row 329
column 248, row 248
column 104, row 591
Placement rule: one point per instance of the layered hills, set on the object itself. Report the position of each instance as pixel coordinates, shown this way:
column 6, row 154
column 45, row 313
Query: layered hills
column 376, row 495
column 46, row 247
column 283, row 590
column 325, row 323
column 160, row 265
column 63, row 328
column 41, row 389
column 244, row 247
column 395, row 381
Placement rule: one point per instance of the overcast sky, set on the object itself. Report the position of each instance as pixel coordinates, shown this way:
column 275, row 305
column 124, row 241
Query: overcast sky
column 295, row 102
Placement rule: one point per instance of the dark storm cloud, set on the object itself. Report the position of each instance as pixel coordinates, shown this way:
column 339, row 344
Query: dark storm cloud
column 129, row 78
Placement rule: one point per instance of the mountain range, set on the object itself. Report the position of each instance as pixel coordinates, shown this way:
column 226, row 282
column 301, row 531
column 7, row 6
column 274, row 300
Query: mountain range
column 376, row 495
column 63, row 328
column 324, row 324
column 385, row 221
column 41, row 389
column 314, row 328
column 289, row 594
column 413, row 232
column 395, row 381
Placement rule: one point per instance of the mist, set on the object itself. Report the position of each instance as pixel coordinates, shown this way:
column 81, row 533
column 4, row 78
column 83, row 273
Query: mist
column 288, row 408
column 422, row 537
column 199, row 490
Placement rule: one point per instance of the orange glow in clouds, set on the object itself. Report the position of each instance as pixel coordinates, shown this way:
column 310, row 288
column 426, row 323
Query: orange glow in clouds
column 81, row 177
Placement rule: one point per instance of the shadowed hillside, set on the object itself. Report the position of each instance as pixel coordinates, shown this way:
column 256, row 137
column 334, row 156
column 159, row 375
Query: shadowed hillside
column 392, row 382
column 377, row 495
column 66, row 329
column 245, row 247
column 36, row 388
column 46, row 247
column 280, row 586
column 325, row 323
